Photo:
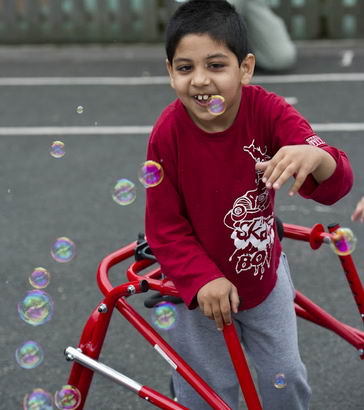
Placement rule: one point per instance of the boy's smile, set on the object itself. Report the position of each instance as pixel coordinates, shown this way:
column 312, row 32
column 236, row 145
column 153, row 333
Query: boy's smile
column 201, row 68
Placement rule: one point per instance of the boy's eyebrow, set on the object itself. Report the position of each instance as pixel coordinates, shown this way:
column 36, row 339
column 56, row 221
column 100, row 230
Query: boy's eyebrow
column 210, row 57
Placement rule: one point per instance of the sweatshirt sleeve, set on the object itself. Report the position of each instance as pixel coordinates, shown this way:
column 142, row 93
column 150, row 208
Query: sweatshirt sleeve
column 169, row 232
column 291, row 128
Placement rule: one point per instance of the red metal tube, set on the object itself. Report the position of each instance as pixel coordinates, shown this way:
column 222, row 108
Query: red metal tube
column 159, row 400
column 328, row 321
column 144, row 328
column 241, row 367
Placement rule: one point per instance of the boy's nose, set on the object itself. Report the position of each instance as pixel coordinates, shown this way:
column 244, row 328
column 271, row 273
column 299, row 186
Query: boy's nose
column 200, row 78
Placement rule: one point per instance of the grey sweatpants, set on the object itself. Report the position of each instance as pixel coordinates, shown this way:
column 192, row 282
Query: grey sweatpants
column 269, row 335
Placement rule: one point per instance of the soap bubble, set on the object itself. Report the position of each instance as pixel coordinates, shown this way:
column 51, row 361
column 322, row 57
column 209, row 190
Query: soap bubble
column 57, row 149
column 216, row 105
column 67, row 398
column 164, row 315
column 124, row 192
column 151, row 174
column 343, row 241
column 39, row 278
column 36, row 308
column 80, row 109
column 38, row 399
column 29, row 355
column 63, row 250
column 279, row 381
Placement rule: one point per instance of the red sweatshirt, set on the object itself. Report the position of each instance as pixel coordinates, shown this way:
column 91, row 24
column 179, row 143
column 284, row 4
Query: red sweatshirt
column 212, row 216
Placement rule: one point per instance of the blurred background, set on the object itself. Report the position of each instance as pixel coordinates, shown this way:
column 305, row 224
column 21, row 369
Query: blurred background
column 91, row 75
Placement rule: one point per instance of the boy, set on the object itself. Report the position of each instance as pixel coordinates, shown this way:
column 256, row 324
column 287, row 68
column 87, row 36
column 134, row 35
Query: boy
column 210, row 223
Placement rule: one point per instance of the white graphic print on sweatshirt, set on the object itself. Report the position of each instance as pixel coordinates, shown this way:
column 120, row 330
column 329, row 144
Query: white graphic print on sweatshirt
column 253, row 234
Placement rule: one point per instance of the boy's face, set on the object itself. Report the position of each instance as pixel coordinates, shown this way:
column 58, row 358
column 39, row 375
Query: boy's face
column 203, row 67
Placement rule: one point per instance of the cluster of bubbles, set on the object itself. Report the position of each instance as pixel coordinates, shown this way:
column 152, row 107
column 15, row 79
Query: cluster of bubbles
column 150, row 175
column 67, row 398
column 164, row 316
column 343, row 241
column 279, row 381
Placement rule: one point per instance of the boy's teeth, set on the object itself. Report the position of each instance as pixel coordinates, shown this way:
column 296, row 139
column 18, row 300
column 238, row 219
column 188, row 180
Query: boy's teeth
column 204, row 97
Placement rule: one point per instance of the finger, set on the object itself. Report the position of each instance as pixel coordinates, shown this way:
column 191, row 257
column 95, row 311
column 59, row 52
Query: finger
column 218, row 317
column 207, row 311
column 261, row 165
column 226, row 310
column 234, row 300
column 281, row 168
column 299, row 180
column 355, row 215
column 287, row 173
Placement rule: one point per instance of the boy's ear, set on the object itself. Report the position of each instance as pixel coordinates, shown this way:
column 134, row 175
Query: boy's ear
column 247, row 68
column 170, row 72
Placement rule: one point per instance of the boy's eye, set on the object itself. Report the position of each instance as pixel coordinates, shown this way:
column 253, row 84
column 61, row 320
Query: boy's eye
column 216, row 66
column 184, row 68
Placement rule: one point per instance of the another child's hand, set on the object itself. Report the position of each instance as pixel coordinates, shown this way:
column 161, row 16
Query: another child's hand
column 216, row 299
column 298, row 161
column 358, row 214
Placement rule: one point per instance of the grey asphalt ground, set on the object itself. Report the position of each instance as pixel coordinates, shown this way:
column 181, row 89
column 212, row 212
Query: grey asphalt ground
column 43, row 198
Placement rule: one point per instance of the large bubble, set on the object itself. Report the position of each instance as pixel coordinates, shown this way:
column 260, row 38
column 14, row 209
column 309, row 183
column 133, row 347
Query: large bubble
column 29, row 355
column 36, row 308
column 124, row 192
column 151, row 174
column 216, row 105
column 38, row 399
column 67, row 398
column 343, row 241
column 164, row 316
column 63, row 250
column 39, row 278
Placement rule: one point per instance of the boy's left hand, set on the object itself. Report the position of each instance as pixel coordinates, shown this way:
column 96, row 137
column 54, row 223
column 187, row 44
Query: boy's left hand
column 298, row 161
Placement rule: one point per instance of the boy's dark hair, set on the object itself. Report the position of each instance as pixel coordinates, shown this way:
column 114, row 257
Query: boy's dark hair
column 217, row 18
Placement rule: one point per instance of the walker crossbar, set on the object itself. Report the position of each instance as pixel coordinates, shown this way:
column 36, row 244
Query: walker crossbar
column 86, row 356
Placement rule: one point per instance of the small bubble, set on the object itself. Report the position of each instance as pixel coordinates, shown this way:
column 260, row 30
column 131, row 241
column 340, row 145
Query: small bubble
column 36, row 308
column 39, row 278
column 279, row 381
column 38, row 399
column 164, row 316
column 80, row 109
column 57, row 149
column 67, row 398
column 63, row 250
column 151, row 174
column 29, row 355
column 124, row 192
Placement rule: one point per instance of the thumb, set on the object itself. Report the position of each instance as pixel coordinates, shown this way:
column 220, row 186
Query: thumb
column 261, row 165
column 234, row 300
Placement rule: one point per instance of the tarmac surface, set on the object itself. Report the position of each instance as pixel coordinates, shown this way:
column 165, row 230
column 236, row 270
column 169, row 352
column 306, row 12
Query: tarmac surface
column 44, row 198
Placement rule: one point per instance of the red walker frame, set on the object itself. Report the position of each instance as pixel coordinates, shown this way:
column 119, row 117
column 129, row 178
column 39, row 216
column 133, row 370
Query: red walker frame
column 93, row 335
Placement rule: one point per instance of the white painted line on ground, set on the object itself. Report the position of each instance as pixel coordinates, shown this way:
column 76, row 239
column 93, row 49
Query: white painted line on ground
column 163, row 80
column 291, row 100
column 347, row 58
column 129, row 130
column 51, row 131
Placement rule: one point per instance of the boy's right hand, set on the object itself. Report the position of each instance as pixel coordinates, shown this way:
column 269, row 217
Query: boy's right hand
column 216, row 299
